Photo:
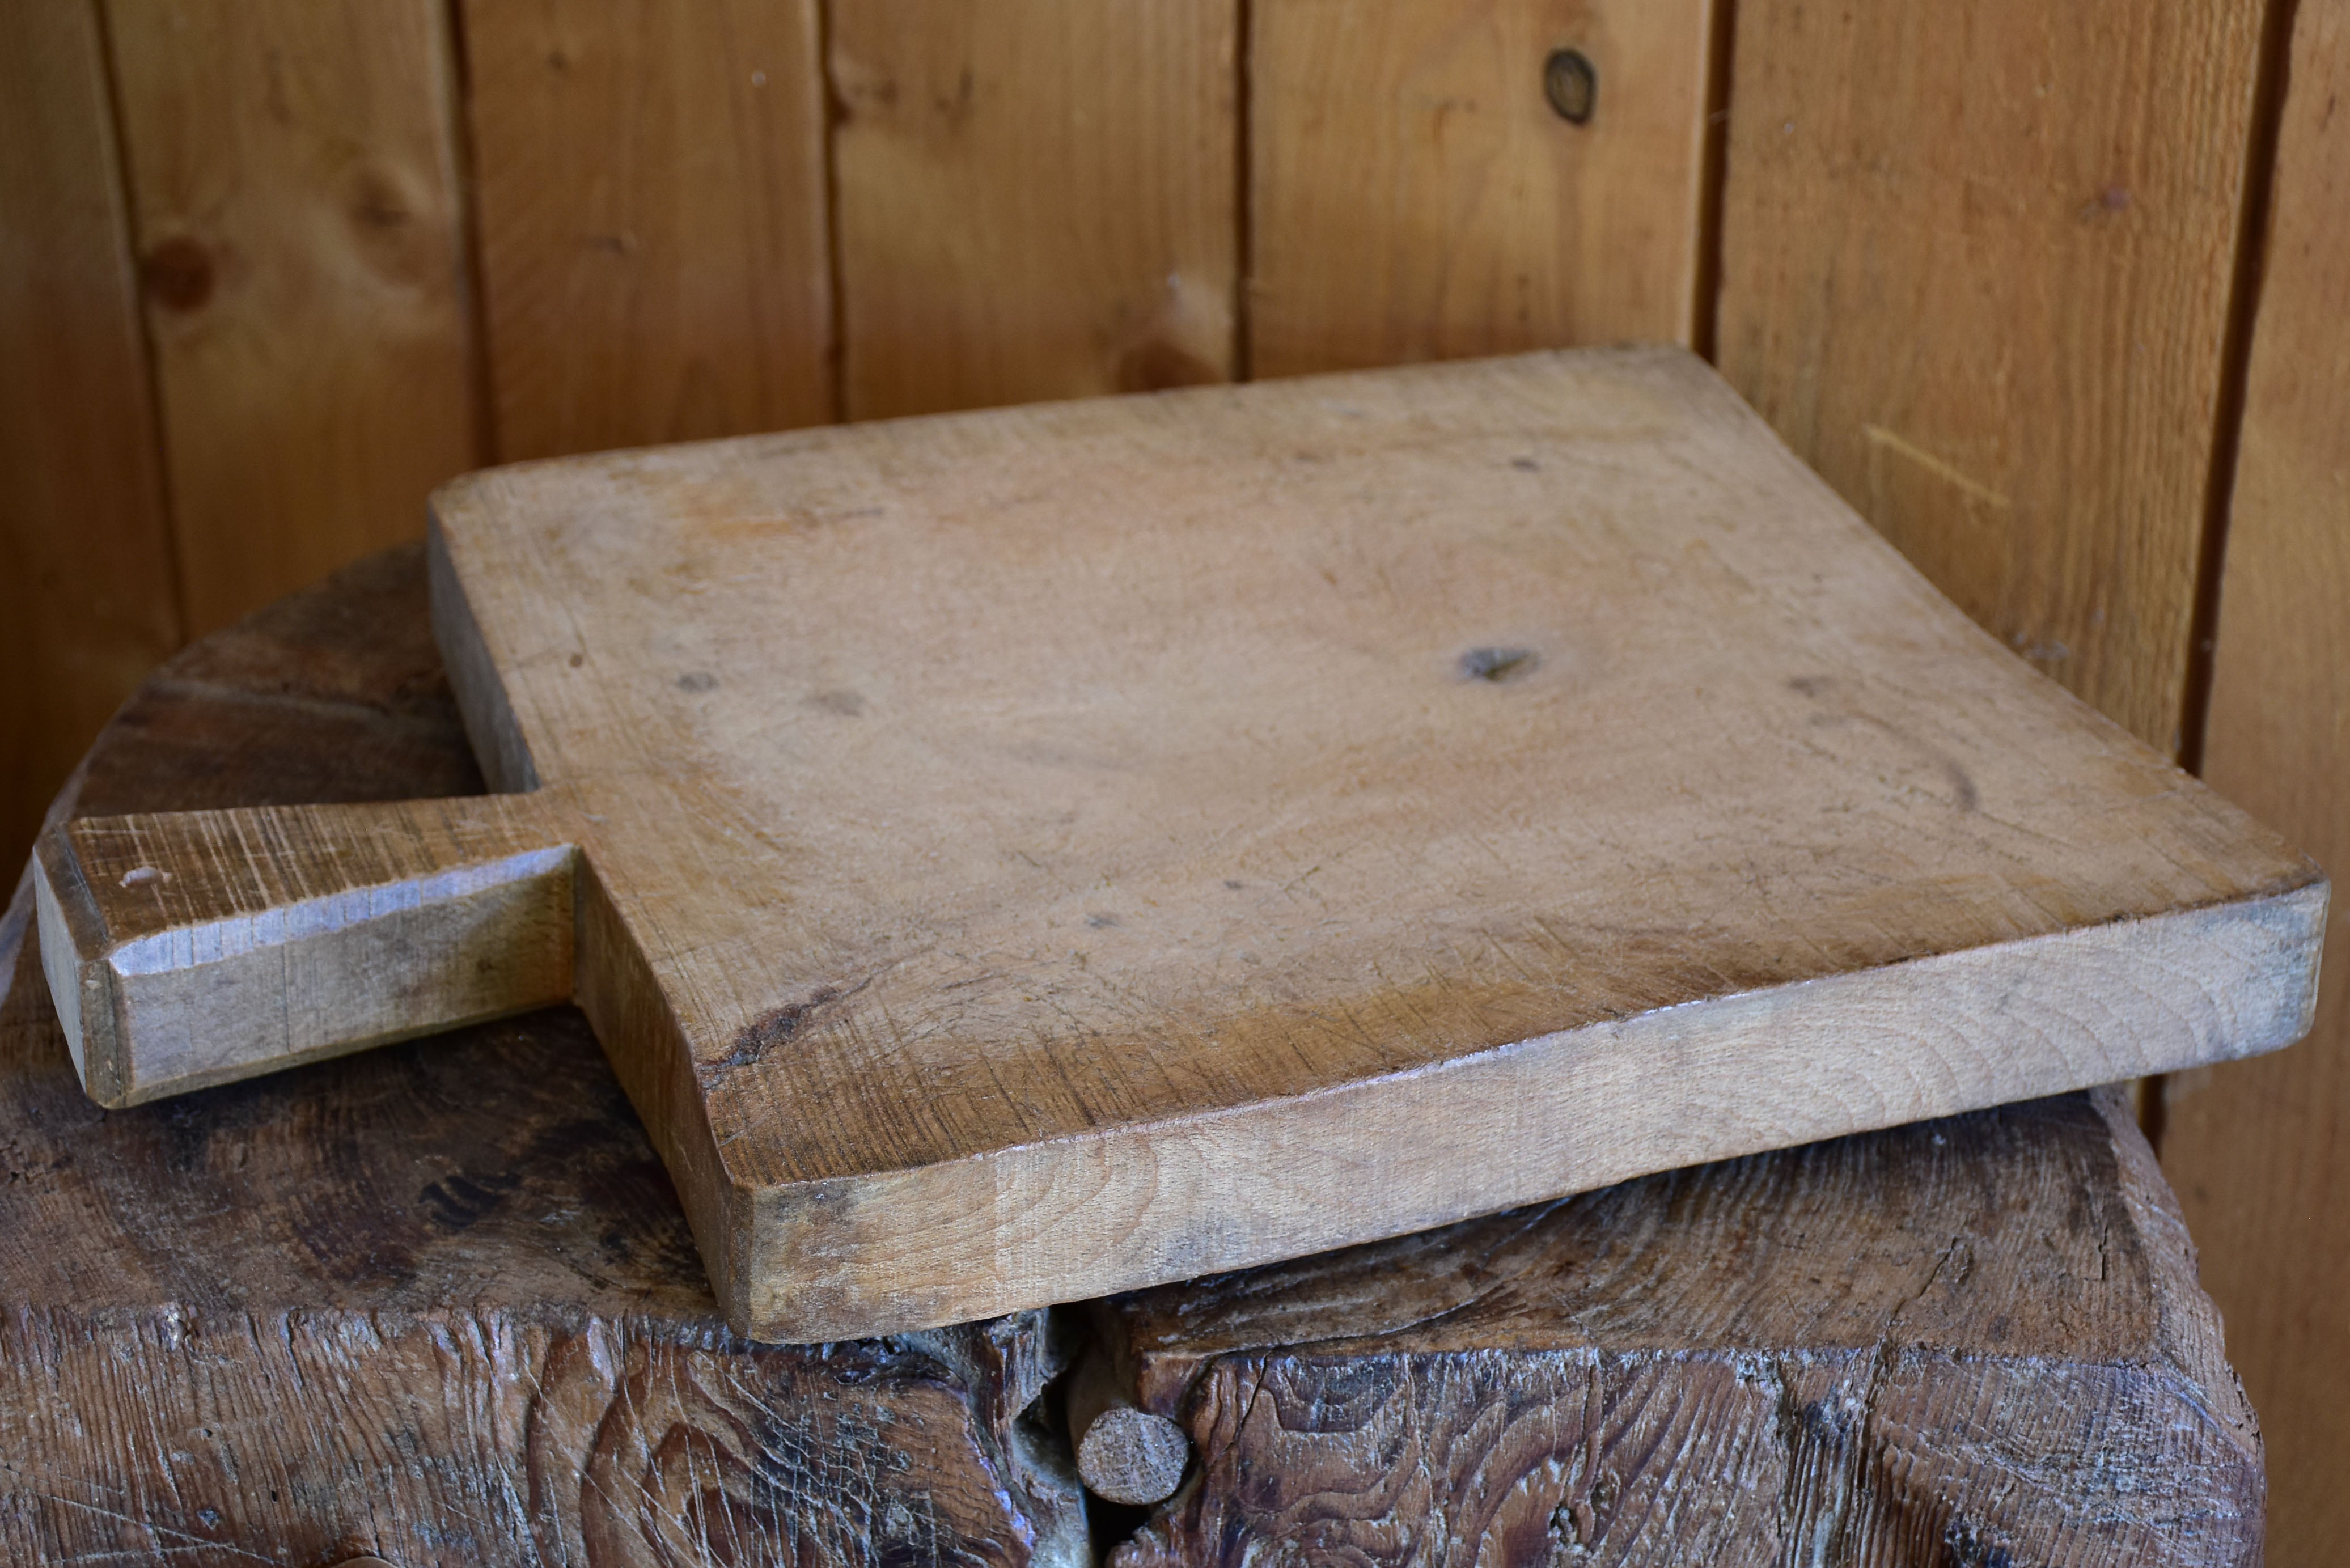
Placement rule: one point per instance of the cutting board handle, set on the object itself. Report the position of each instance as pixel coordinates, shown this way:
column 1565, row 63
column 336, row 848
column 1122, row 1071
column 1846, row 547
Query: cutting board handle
column 195, row 948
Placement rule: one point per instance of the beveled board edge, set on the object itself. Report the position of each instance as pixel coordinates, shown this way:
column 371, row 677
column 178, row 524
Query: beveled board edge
column 901, row 1250
column 80, row 988
column 643, row 1039
column 489, row 719
column 613, row 983
column 291, row 934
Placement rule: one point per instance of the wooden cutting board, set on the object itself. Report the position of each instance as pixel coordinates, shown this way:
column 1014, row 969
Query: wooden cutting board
column 1017, row 857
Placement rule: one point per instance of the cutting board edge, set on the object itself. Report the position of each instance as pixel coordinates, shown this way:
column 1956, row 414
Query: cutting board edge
column 1534, row 1090
column 484, row 704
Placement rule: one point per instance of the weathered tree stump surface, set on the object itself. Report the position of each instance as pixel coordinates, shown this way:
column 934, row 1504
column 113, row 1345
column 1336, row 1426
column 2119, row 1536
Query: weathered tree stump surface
column 437, row 1302
column 1975, row 1342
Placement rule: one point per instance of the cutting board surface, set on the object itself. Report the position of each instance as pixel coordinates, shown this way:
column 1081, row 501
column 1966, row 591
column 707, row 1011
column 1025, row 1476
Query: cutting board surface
column 1016, row 856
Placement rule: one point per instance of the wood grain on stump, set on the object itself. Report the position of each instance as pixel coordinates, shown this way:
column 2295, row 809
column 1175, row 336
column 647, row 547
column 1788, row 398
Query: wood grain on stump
column 437, row 1304
column 1975, row 1342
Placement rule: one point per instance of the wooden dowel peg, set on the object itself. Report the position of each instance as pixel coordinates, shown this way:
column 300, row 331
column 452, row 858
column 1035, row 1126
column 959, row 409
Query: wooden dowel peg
column 1125, row 1453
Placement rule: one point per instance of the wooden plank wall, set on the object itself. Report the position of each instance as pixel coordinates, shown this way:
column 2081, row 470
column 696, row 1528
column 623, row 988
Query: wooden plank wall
column 1035, row 199
column 1977, row 267
column 88, row 589
column 270, row 269
column 648, row 183
column 2260, row 1151
column 292, row 175
column 1414, row 195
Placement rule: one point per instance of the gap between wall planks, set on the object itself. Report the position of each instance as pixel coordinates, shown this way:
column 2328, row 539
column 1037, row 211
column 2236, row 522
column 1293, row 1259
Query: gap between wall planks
column 2260, row 1152
column 1977, row 264
column 975, row 157
column 292, row 181
column 1034, row 200
column 649, row 191
column 87, row 603
column 1415, row 196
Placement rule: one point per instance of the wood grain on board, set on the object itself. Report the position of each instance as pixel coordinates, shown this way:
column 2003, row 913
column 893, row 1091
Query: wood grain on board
column 293, row 179
column 438, row 1303
column 649, row 185
column 2006, row 1360
column 1976, row 268
column 1414, row 195
column 1034, row 200
column 2262, row 1153
column 1043, row 852
column 87, row 601
column 338, row 926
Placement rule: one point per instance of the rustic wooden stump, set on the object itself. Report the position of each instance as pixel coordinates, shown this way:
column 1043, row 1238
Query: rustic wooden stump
column 437, row 1303
column 1970, row 1342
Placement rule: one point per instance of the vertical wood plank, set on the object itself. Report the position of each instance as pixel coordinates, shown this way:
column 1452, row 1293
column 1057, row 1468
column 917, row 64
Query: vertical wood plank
column 1976, row 268
column 1034, row 200
column 651, row 191
column 1416, row 196
column 293, row 187
column 2260, row 1150
column 87, row 603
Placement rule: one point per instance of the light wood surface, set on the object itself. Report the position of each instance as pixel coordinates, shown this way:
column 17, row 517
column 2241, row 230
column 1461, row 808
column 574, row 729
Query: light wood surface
column 88, row 599
column 293, row 177
column 1034, row 200
column 1537, row 1387
column 650, row 182
column 2262, row 1153
column 1977, row 266
column 438, row 1302
column 279, row 935
column 1033, row 854
column 1413, row 195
